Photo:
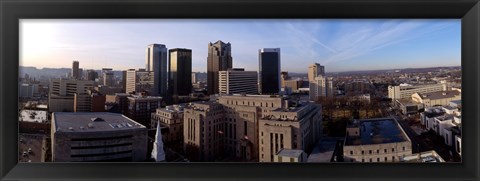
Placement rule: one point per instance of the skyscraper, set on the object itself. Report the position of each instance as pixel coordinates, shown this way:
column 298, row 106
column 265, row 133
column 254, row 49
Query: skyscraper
column 219, row 59
column 156, row 61
column 269, row 70
column 238, row 81
column 75, row 71
column 180, row 70
column 315, row 70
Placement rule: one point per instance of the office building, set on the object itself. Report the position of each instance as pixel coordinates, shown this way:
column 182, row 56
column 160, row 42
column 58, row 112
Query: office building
column 92, row 75
column 315, row 70
column 180, row 70
column 75, row 70
column 238, row 81
column 90, row 101
column 97, row 137
column 406, row 90
column 231, row 126
column 140, row 108
column 108, row 78
column 140, row 81
column 62, row 94
column 219, row 59
column 194, row 77
column 269, row 71
column 376, row 140
column 170, row 119
column 292, row 128
column 438, row 98
column 156, row 61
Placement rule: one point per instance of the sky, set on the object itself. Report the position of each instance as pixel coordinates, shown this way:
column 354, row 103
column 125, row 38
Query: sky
column 339, row 45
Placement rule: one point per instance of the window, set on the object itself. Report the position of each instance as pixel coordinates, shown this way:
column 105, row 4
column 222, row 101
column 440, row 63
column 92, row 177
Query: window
column 370, row 160
column 378, row 151
column 351, row 152
column 385, row 158
column 378, row 159
column 363, row 160
column 385, row 150
column 363, row 152
column 403, row 148
column 370, row 151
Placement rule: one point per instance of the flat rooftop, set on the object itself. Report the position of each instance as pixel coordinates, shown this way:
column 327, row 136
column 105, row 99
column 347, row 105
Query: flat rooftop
column 92, row 122
column 35, row 116
column 290, row 153
column 323, row 150
column 440, row 94
column 377, row 131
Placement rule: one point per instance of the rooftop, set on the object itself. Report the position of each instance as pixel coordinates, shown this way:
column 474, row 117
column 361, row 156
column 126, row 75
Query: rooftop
column 33, row 116
column 440, row 94
column 290, row 153
column 377, row 131
column 92, row 121
column 428, row 156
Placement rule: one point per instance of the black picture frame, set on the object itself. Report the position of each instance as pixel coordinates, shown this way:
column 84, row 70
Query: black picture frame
column 13, row 10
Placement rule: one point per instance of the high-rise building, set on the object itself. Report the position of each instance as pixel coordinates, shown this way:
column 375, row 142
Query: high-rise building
column 75, row 70
column 180, row 70
column 92, row 75
column 100, row 137
column 108, row 79
column 194, row 77
column 157, row 62
column 238, row 81
column 269, row 70
column 62, row 94
column 315, row 70
column 140, row 81
column 219, row 59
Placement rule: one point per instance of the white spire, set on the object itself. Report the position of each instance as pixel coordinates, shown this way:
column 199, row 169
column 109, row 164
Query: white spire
column 158, row 153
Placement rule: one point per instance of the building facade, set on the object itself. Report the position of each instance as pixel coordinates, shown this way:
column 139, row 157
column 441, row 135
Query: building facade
column 156, row 61
column 141, row 107
column 400, row 92
column 219, row 59
column 75, row 70
column 315, row 70
column 98, row 137
column 238, row 81
column 438, row 98
column 376, row 140
column 180, row 70
column 62, row 94
column 269, row 71
column 170, row 119
column 140, row 81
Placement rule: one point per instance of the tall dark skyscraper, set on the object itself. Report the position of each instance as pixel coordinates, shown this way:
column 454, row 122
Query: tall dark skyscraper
column 180, row 70
column 156, row 61
column 219, row 59
column 269, row 70
column 75, row 70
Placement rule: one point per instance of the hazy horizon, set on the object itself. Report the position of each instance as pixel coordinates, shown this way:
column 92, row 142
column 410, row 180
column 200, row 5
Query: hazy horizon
column 340, row 45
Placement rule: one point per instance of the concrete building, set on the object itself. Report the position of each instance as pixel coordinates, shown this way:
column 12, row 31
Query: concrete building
column 406, row 91
column 141, row 107
column 28, row 90
column 288, row 155
column 269, row 71
column 407, row 106
column 170, row 119
column 358, row 86
column 91, row 75
column 156, row 61
column 75, row 70
column 376, row 140
column 423, row 157
column 62, row 94
column 315, row 70
column 87, row 137
column 438, row 98
column 91, row 101
column 238, row 81
column 294, row 128
column 231, row 126
column 194, row 77
column 140, row 81
column 108, row 78
column 219, row 59
column 180, row 70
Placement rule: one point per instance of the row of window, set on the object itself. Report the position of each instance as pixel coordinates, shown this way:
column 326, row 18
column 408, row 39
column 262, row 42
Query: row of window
column 377, row 151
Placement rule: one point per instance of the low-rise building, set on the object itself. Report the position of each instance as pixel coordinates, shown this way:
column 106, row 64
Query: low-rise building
column 170, row 119
column 427, row 156
column 89, row 136
column 289, row 155
column 439, row 98
column 376, row 140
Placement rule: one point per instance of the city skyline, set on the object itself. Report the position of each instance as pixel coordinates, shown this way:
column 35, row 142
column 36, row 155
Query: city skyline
column 342, row 45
